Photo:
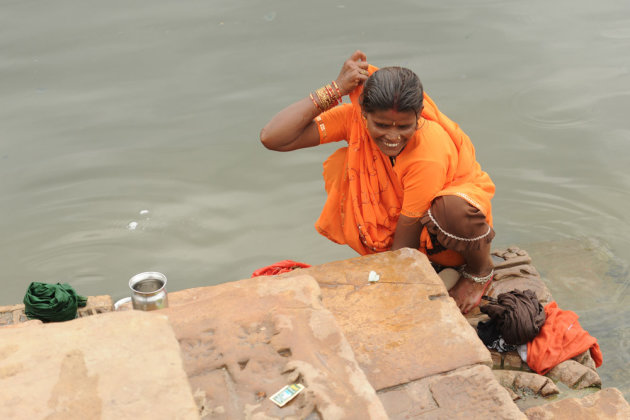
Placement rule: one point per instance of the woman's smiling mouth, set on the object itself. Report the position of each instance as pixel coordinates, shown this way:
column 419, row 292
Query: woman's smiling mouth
column 392, row 145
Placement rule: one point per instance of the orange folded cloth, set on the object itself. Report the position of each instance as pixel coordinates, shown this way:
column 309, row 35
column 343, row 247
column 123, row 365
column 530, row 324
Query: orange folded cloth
column 560, row 338
column 279, row 268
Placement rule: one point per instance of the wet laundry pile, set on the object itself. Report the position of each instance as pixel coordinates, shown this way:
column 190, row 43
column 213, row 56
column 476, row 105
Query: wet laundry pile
column 543, row 337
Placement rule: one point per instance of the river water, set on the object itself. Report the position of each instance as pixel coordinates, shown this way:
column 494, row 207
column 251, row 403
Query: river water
column 130, row 136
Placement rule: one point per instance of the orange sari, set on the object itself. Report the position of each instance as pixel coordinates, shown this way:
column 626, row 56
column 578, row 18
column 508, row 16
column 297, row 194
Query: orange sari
column 366, row 194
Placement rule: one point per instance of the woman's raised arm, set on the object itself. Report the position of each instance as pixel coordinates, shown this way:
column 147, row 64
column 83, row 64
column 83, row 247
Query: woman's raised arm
column 293, row 127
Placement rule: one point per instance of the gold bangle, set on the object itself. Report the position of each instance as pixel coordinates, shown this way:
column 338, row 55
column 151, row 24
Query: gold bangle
column 327, row 97
column 315, row 102
column 324, row 99
column 336, row 86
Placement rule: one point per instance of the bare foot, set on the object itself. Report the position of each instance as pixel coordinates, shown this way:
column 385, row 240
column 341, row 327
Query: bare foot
column 467, row 293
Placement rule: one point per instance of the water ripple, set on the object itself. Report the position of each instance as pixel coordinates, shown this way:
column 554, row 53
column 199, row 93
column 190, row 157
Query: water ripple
column 548, row 104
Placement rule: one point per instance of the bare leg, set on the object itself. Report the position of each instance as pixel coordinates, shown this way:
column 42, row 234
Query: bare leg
column 467, row 293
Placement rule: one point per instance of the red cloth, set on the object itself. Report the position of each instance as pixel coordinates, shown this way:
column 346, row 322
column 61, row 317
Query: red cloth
column 279, row 268
column 560, row 338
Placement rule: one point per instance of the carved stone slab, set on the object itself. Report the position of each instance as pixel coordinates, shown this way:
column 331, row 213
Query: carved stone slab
column 243, row 341
column 513, row 270
column 575, row 375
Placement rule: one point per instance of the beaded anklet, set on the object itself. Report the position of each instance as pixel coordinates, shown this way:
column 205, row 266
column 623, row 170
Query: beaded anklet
column 476, row 279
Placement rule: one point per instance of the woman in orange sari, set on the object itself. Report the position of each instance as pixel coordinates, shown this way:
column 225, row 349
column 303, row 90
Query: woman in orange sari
column 408, row 177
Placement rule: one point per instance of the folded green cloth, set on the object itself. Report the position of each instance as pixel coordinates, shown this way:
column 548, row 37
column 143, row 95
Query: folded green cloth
column 52, row 302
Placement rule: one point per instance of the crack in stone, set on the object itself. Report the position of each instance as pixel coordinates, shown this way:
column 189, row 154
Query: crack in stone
column 285, row 352
column 230, row 384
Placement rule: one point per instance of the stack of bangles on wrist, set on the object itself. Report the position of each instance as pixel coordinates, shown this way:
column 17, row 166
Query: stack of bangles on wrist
column 482, row 280
column 328, row 96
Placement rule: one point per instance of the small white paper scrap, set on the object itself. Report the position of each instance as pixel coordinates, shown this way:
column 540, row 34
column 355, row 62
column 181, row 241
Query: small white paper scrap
column 373, row 277
column 286, row 394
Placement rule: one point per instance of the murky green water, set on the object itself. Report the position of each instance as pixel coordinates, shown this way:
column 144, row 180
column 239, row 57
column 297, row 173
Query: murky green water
column 130, row 136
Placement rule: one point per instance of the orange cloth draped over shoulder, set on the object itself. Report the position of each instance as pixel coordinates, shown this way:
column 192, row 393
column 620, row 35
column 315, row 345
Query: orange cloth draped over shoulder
column 560, row 338
column 366, row 194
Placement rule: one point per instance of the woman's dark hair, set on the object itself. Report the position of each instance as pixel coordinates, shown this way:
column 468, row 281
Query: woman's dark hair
column 394, row 88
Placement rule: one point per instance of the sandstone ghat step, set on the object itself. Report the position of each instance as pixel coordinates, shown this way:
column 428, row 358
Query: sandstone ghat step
column 111, row 366
column 405, row 326
column 418, row 352
column 243, row 341
column 397, row 348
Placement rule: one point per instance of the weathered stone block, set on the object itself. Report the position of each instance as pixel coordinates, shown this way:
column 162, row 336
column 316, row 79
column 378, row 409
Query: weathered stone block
column 586, row 359
column 12, row 314
column 520, row 277
column 513, row 270
column 470, row 392
column 526, row 383
column 511, row 360
column 113, row 366
column 607, row 404
column 243, row 341
column 497, row 359
column 575, row 375
column 96, row 305
column 403, row 327
column 510, row 257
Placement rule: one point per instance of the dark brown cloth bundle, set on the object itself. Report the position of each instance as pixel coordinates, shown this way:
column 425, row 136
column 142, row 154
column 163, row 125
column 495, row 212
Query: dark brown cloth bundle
column 518, row 315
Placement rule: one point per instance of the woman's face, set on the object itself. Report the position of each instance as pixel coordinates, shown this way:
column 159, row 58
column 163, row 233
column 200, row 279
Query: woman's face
column 391, row 130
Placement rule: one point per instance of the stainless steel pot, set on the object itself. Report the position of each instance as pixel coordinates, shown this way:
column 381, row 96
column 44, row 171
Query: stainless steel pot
column 148, row 291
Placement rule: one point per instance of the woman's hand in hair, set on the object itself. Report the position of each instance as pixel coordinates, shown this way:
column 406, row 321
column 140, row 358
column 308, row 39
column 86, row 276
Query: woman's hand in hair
column 353, row 72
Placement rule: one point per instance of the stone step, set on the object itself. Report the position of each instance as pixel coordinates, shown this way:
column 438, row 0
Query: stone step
column 417, row 350
column 394, row 348
column 243, row 341
column 111, row 366
column 607, row 404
